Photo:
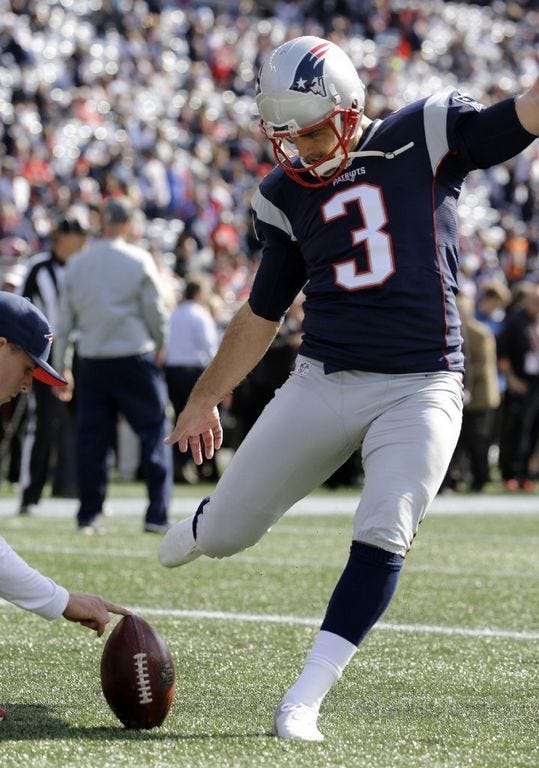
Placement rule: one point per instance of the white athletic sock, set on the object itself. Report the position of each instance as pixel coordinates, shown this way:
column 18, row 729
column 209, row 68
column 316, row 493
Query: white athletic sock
column 323, row 667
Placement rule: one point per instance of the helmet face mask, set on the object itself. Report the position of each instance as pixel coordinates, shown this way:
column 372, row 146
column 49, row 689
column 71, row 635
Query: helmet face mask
column 306, row 84
column 324, row 170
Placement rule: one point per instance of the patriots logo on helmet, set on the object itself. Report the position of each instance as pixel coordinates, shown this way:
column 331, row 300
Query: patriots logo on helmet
column 309, row 76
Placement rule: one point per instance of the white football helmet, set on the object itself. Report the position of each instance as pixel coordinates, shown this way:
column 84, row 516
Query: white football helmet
column 306, row 83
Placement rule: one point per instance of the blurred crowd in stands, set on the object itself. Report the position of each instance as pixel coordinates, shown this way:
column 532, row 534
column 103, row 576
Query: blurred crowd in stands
column 154, row 99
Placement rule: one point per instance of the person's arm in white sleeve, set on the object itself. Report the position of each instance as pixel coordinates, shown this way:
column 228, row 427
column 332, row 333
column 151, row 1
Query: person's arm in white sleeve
column 25, row 587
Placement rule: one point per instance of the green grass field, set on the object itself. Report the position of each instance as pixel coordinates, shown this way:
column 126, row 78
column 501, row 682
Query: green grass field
column 449, row 679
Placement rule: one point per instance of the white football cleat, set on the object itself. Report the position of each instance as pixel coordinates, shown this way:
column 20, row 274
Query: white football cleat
column 296, row 721
column 178, row 546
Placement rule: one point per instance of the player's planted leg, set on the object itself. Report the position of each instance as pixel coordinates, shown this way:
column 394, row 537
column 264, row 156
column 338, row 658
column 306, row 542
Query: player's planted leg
column 362, row 594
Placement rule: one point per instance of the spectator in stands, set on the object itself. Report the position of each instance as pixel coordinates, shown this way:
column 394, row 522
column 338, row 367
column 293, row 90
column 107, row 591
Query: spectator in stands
column 470, row 462
column 493, row 300
column 518, row 358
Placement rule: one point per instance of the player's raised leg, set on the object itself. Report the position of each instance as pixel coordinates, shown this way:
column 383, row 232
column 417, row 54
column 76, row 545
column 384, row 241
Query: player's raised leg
column 277, row 464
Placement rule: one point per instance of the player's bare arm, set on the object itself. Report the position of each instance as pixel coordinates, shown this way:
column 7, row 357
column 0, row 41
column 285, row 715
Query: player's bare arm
column 245, row 341
column 527, row 107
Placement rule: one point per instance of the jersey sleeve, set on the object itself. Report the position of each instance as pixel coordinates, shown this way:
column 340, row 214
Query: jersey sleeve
column 281, row 274
column 480, row 136
column 494, row 134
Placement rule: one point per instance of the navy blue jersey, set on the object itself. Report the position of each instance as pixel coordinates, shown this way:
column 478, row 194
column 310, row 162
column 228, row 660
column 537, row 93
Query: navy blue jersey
column 376, row 251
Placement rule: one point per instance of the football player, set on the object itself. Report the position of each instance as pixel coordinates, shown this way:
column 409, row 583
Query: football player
column 25, row 342
column 361, row 215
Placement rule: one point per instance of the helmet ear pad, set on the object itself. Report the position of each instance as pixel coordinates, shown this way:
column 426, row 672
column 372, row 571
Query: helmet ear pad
column 306, row 83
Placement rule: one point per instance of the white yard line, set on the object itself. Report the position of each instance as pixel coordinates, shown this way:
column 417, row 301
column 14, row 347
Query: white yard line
column 311, row 622
column 257, row 618
column 312, row 506
column 458, row 504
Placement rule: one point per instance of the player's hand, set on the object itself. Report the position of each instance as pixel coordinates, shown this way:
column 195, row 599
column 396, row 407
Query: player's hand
column 91, row 611
column 197, row 428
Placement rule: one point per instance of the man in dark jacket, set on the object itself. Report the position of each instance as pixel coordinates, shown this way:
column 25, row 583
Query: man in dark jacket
column 49, row 437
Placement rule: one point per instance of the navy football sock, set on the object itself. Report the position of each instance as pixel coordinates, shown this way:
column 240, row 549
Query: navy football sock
column 363, row 592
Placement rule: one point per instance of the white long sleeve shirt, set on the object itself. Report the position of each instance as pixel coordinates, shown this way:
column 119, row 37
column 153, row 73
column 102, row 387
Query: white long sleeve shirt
column 22, row 585
column 193, row 338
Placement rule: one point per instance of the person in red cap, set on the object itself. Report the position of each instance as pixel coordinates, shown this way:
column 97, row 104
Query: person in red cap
column 25, row 342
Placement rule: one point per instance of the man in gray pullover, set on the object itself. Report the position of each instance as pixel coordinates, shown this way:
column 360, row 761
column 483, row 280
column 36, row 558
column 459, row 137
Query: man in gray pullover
column 112, row 307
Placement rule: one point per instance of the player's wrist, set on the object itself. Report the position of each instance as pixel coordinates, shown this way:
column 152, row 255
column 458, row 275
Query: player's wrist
column 205, row 398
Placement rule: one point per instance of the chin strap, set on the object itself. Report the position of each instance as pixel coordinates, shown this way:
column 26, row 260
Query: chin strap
column 330, row 165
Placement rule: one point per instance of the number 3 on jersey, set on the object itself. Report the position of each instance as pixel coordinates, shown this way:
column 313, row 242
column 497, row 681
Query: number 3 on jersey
column 378, row 245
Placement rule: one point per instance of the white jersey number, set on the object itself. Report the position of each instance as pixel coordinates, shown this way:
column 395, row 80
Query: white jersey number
column 378, row 244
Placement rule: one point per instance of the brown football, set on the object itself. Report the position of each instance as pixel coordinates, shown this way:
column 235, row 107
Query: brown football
column 137, row 674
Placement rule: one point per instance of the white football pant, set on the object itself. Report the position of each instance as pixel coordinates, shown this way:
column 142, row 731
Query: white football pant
column 407, row 425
